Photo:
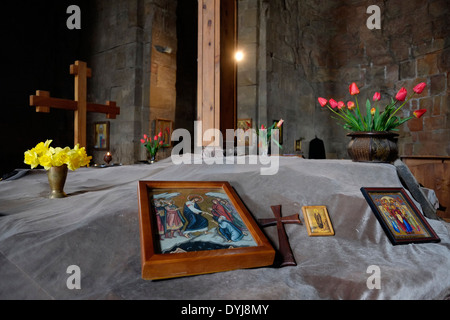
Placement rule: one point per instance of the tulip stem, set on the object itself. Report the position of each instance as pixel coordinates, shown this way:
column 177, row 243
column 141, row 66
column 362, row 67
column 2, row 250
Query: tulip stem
column 392, row 115
column 359, row 112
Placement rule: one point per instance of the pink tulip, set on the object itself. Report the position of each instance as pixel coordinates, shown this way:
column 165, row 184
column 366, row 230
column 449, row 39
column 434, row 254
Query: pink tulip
column 280, row 123
column 333, row 103
column 354, row 90
column 161, row 143
column 143, row 141
column 262, row 127
column 341, row 105
column 323, row 102
column 160, row 134
column 401, row 95
column 420, row 87
column 351, row 105
column 377, row 96
column 155, row 138
column 419, row 113
column 145, row 137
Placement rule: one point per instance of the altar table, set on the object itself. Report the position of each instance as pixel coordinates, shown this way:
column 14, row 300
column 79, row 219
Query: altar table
column 97, row 229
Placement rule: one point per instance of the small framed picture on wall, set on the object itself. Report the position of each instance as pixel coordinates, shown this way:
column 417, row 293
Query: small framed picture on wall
column 101, row 136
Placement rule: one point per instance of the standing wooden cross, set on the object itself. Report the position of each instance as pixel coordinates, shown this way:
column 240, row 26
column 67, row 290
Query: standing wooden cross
column 43, row 102
column 287, row 257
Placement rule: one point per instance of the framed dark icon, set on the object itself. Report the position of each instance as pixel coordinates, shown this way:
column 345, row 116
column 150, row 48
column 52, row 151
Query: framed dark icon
column 166, row 127
column 193, row 228
column 399, row 217
column 245, row 124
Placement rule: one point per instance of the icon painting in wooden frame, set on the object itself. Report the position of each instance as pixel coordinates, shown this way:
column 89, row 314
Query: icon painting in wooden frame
column 399, row 217
column 192, row 228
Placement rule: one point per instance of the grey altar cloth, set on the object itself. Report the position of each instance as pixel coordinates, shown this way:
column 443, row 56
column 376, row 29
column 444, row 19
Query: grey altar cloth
column 97, row 229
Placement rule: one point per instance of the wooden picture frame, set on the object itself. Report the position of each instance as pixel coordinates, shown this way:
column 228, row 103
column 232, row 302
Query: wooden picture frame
column 166, row 127
column 245, row 124
column 399, row 217
column 185, row 233
column 101, row 136
column 317, row 221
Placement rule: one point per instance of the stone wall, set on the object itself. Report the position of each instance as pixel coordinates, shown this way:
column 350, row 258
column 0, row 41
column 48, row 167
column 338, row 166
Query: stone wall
column 317, row 48
column 120, row 57
column 411, row 47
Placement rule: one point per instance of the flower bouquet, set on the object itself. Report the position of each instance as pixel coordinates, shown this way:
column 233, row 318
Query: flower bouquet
column 57, row 162
column 373, row 137
column 154, row 145
column 375, row 119
column 48, row 157
column 267, row 132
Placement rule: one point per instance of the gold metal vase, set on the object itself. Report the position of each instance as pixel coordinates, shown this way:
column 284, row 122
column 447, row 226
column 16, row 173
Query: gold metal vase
column 56, row 179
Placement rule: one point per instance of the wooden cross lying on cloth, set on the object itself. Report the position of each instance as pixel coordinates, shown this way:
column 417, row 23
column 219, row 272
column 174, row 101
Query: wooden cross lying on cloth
column 43, row 102
column 287, row 257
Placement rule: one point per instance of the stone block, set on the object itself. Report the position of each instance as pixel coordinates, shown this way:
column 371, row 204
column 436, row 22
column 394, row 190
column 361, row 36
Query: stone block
column 436, row 107
column 435, row 123
column 443, row 61
column 415, row 125
column 438, row 8
column 408, row 69
column 427, row 65
column 426, row 103
column 438, row 84
column 400, row 47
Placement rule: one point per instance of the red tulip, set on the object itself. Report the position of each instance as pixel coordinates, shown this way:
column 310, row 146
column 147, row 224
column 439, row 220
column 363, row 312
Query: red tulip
column 145, row 136
column 262, row 127
column 155, row 138
column 160, row 134
column 333, row 103
column 419, row 113
column 401, row 95
column 351, row 105
column 143, row 141
column 420, row 87
column 377, row 96
column 354, row 90
column 161, row 143
column 341, row 105
column 323, row 102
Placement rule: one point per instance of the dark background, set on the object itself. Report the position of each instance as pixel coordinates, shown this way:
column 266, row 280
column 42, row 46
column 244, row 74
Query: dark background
column 38, row 50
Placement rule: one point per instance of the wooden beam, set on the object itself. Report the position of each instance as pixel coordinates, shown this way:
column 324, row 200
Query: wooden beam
column 44, row 102
column 80, row 72
column 208, row 108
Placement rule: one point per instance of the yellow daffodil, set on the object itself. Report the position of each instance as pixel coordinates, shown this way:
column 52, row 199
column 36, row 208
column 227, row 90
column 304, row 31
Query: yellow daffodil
column 32, row 159
column 48, row 157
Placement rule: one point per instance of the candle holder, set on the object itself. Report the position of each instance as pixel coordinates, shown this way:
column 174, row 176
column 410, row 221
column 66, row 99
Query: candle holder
column 108, row 158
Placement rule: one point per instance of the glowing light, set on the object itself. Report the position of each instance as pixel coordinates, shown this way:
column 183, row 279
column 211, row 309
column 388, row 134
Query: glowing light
column 239, row 56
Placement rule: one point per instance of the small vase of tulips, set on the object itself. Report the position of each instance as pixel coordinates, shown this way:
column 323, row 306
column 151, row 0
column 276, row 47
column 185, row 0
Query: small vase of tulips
column 153, row 145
